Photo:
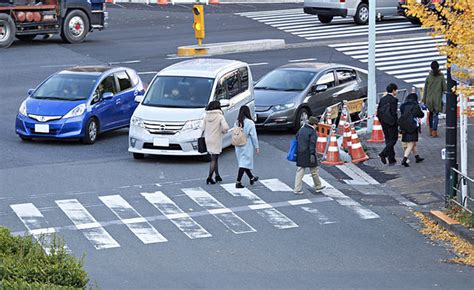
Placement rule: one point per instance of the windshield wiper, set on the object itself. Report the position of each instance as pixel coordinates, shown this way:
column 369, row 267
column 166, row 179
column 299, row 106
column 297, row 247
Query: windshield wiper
column 48, row 98
column 267, row 88
column 292, row 90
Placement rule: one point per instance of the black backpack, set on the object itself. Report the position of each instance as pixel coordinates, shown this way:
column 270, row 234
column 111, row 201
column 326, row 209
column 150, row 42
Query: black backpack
column 385, row 115
column 407, row 122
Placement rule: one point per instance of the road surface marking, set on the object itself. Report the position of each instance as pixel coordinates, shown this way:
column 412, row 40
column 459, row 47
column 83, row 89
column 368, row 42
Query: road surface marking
column 343, row 199
column 358, row 175
column 258, row 64
column 35, row 223
column 225, row 215
column 85, row 222
column 322, row 219
column 265, row 210
column 176, row 215
column 300, row 60
column 275, row 185
column 132, row 219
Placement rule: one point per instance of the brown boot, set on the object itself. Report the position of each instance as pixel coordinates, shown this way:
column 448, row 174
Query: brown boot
column 434, row 134
column 431, row 132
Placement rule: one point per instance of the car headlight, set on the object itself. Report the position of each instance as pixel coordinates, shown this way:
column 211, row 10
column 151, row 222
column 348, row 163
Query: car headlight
column 135, row 121
column 77, row 111
column 192, row 125
column 22, row 109
column 283, row 106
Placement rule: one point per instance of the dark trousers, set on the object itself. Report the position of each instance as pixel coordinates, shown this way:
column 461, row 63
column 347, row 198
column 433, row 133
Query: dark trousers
column 241, row 173
column 391, row 137
column 433, row 120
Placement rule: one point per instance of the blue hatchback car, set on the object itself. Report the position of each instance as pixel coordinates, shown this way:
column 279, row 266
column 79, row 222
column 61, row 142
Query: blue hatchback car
column 80, row 102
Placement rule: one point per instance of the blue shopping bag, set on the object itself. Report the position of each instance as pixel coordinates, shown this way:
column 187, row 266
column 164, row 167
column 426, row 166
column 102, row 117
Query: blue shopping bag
column 293, row 149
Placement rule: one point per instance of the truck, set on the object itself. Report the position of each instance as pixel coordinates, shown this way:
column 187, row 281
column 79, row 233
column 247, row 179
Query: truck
column 72, row 19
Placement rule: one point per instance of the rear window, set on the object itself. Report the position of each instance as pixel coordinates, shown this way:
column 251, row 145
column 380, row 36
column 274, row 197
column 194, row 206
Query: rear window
column 124, row 80
column 345, row 76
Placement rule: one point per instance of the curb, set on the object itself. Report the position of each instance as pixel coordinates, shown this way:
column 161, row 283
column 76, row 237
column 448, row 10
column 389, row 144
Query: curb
column 231, row 47
column 450, row 224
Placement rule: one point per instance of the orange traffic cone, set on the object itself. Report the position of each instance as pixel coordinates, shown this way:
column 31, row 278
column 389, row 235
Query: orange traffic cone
column 213, row 1
column 332, row 157
column 347, row 137
column 357, row 152
column 377, row 133
column 342, row 122
column 321, row 143
column 162, row 2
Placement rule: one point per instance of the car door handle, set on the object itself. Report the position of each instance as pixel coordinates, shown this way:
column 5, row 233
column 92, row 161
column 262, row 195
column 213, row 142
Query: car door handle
column 118, row 101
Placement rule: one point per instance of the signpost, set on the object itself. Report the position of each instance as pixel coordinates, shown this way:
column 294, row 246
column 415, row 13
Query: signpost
column 371, row 83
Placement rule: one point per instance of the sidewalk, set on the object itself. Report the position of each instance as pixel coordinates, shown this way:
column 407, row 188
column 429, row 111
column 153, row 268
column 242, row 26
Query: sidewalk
column 422, row 183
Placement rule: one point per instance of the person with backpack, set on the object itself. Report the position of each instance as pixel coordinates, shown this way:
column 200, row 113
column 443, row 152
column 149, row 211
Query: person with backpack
column 435, row 85
column 214, row 129
column 245, row 141
column 306, row 156
column 388, row 116
column 409, row 126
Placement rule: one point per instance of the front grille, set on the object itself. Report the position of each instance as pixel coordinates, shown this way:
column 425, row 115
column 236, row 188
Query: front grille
column 176, row 147
column 44, row 118
column 163, row 128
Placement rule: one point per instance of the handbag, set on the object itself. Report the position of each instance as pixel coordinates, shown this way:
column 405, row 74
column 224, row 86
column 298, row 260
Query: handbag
column 202, row 148
column 238, row 136
column 291, row 156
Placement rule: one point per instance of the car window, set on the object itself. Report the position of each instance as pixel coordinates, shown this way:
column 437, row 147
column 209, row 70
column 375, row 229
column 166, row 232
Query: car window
column 124, row 80
column 134, row 78
column 233, row 84
column 66, row 87
column 107, row 85
column 345, row 76
column 244, row 78
column 327, row 79
column 285, row 80
column 221, row 92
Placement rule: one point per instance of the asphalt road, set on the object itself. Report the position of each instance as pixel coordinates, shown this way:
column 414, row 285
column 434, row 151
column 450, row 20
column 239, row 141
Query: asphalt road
column 347, row 237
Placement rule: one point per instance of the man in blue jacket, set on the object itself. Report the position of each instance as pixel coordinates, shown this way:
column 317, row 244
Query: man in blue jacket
column 388, row 116
column 306, row 156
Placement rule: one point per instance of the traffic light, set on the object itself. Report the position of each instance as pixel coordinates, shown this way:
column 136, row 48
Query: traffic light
column 199, row 32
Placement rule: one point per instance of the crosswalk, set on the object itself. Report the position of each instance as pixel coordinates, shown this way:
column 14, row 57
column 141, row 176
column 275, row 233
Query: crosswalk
column 169, row 208
column 296, row 22
column 407, row 59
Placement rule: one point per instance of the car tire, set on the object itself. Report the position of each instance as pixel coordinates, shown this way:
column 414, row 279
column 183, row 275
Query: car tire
column 138, row 156
column 8, row 32
column 91, row 130
column 24, row 138
column 26, row 38
column 325, row 18
column 362, row 14
column 301, row 117
column 75, row 27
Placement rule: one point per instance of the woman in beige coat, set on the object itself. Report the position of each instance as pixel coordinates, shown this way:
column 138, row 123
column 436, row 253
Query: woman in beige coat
column 214, row 129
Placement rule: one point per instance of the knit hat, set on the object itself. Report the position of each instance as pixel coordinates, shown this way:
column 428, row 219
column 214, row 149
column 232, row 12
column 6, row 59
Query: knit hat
column 312, row 120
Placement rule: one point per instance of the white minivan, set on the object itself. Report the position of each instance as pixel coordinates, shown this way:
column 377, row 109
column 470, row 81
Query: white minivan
column 169, row 118
column 359, row 9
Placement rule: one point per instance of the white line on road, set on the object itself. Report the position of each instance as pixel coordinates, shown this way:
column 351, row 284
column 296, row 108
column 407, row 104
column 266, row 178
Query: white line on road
column 275, row 217
column 85, row 222
column 343, row 199
column 258, row 64
column 232, row 221
column 176, row 215
column 125, row 61
column 390, row 41
column 322, row 219
column 275, row 185
column 132, row 219
column 147, row 73
column 303, row 59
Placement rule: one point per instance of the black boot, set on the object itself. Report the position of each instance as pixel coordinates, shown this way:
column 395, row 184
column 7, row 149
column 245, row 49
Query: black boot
column 238, row 184
column 404, row 162
column 209, row 180
column 418, row 158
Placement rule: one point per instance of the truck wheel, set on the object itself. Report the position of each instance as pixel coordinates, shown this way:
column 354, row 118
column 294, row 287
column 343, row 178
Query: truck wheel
column 27, row 38
column 325, row 18
column 362, row 14
column 75, row 27
column 7, row 30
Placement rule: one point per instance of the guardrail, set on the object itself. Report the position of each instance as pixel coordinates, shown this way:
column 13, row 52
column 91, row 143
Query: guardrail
column 457, row 181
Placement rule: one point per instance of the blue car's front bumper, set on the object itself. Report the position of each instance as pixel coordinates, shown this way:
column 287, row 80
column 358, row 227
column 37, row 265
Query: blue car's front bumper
column 62, row 128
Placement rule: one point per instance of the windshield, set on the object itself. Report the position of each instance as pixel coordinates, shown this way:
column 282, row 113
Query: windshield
column 179, row 92
column 285, row 80
column 66, row 87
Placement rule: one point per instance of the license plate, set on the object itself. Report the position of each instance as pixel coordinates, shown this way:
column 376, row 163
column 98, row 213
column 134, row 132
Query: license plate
column 41, row 128
column 161, row 142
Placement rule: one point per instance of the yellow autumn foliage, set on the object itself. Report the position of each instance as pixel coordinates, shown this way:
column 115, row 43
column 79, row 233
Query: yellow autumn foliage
column 454, row 21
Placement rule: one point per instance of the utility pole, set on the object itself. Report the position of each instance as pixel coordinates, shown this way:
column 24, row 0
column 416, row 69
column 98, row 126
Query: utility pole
column 451, row 129
column 371, row 83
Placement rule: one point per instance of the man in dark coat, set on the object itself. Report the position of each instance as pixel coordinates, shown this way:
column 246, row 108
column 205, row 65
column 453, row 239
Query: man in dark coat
column 306, row 156
column 388, row 116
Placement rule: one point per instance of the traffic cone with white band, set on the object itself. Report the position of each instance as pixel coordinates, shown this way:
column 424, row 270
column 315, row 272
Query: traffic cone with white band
column 347, row 137
column 342, row 122
column 377, row 133
column 321, row 143
column 357, row 152
column 332, row 157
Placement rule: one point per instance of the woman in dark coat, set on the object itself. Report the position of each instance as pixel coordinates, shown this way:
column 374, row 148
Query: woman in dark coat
column 409, row 140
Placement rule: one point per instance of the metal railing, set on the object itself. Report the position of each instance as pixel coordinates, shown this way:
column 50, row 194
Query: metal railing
column 460, row 192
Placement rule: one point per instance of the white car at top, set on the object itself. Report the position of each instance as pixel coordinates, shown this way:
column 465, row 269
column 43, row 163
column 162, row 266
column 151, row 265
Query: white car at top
column 169, row 118
column 359, row 9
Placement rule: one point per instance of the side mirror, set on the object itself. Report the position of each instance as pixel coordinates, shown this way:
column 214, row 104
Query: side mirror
column 107, row 96
column 321, row 88
column 224, row 103
column 31, row 91
column 139, row 98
